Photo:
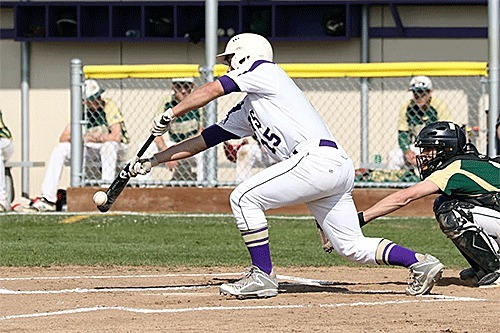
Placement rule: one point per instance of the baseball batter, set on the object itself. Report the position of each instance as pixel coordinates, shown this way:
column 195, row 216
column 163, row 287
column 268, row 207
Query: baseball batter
column 312, row 167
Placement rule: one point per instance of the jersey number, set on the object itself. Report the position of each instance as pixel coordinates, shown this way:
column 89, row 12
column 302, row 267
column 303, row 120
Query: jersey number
column 269, row 139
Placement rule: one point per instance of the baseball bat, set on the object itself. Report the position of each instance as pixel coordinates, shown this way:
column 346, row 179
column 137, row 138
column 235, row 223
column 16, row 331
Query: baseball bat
column 122, row 179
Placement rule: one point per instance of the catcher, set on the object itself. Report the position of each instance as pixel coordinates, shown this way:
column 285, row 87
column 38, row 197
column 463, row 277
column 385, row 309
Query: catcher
column 468, row 209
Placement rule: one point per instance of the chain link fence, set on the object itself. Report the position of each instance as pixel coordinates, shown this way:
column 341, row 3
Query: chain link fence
column 371, row 126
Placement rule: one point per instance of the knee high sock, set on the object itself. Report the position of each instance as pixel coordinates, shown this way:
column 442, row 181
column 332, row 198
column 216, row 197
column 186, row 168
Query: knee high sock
column 389, row 253
column 257, row 242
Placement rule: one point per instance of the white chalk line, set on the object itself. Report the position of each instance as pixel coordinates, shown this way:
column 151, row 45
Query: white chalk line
column 96, row 290
column 90, row 277
column 423, row 298
column 234, row 308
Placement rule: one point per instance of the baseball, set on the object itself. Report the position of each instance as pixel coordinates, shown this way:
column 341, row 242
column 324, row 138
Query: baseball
column 100, row 198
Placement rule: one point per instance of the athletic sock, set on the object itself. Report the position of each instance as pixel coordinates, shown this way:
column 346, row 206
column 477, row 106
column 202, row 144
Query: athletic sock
column 389, row 253
column 257, row 242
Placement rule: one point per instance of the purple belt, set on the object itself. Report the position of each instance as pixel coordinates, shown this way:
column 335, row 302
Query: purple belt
column 327, row 143
column 322, row 143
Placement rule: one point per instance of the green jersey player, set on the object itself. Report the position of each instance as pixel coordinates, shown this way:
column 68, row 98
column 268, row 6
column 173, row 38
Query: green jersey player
column 468, row 209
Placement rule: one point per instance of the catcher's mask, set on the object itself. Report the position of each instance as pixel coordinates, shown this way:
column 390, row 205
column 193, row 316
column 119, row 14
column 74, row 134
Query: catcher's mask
column 438, row 142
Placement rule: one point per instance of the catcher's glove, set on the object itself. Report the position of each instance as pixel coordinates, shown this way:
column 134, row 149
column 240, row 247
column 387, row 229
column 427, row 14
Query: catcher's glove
column 325, row 243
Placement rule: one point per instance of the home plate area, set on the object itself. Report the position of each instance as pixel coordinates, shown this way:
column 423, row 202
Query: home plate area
column 310, row 299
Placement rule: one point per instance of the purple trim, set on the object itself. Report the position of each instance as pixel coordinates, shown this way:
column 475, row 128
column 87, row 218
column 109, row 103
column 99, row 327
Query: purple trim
column 228, row 84
column 214, row 134
column 327, row 143
column 438, row 32
column 249, row 232
column 257, row 241
column 256, row 64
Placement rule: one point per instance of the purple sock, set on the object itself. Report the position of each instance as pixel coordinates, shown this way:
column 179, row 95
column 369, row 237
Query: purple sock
column 401, row 256
column 261, row 257
column 257, row 242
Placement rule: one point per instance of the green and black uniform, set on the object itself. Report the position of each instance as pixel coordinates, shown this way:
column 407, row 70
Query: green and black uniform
column 4, row 131
column 467, row 177
column 101, row 119
column 413, row 118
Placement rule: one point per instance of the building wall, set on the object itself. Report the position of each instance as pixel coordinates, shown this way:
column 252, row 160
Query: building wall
column 49, row 100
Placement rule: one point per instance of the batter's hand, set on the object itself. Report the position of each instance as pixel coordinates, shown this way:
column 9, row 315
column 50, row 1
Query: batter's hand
column 162, row 122
column 142, row 166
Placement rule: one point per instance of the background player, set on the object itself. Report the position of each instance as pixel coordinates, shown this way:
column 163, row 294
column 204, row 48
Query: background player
column 468, row 211
column 6, row 152
column 421, row 110
column 105, row 139
column 312, row 167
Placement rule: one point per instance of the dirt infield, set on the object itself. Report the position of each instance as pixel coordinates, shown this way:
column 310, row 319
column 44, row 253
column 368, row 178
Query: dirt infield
column 138, row 299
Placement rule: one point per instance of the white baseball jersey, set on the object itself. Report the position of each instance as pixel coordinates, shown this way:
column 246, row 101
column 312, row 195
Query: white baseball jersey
column 275, row 109
column 313, row 168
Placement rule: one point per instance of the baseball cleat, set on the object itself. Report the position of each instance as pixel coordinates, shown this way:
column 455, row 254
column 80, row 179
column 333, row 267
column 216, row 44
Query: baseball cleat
column 43, row 205
column 4, row 207
column 255, row 284
column 423, row 275
column 472, row 274
column 491, row 280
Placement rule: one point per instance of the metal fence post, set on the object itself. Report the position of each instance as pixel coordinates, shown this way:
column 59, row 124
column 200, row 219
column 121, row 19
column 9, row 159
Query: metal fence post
column 76, row 72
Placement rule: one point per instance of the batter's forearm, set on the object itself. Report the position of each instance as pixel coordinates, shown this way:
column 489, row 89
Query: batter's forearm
column 198, row 98
column 382, row 208
column 182, row 150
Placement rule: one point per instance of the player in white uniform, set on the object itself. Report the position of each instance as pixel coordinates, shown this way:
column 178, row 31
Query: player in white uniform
column 312, row 167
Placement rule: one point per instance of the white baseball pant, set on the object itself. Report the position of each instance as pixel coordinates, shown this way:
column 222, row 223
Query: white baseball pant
column 108, row 152
column 6, row 152
column 323, row 178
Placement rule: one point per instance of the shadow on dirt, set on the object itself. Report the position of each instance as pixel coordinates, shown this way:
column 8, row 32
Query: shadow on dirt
column 453, row 281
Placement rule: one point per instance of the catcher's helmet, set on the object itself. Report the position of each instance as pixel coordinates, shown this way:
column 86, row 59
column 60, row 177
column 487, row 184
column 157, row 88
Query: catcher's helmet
column 446, row 140
column 245, row 47
column 91, row 89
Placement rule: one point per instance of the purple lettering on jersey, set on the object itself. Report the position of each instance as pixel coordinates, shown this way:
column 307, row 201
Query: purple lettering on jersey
column 228, row 85
column 214, row 134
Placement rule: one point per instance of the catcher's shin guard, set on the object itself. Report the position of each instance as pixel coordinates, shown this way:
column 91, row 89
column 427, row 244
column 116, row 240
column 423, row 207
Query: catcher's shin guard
column 457, row 223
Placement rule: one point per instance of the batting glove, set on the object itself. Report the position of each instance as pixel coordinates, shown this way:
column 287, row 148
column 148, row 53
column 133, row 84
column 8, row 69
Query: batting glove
column 162, row 122
column 142, row 166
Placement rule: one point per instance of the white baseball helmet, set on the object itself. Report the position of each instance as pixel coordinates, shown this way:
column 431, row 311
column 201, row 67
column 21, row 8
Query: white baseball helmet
column 91, row 89
column 246, row 46
column 420, row 83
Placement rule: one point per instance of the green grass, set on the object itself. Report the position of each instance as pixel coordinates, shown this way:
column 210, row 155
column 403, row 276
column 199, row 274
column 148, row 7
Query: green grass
column 45, row 240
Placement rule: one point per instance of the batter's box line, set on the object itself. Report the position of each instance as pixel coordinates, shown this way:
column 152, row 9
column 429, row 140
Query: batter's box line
column 100, row 290
column 234, row 308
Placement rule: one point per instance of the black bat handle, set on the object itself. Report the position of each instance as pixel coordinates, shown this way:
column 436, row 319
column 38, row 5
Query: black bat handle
column 145, row 146
column 143, row 149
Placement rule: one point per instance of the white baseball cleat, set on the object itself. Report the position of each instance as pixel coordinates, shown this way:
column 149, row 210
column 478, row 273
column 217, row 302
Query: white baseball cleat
column 423, row 275
column 43, row 205
column 255, row 284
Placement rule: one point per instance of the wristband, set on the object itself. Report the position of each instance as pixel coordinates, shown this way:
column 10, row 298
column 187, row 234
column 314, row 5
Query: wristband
column 361, row 219
column 154, row 161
